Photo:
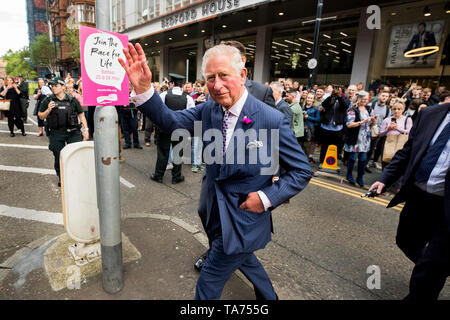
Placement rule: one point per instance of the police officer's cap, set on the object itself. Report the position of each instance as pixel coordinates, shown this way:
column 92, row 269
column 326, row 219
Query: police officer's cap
column 176, row 77
column 57, row 80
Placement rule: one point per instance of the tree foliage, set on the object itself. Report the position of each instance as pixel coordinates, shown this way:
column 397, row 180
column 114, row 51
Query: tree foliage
column 72, row 36
column 43, row 52
column 18, row 62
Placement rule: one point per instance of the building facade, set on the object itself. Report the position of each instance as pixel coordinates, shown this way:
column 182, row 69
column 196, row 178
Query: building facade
column 52, row 17
column 358, row 42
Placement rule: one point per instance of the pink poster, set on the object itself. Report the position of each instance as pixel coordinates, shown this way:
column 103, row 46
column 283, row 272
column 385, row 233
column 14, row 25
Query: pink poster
column 105, row 82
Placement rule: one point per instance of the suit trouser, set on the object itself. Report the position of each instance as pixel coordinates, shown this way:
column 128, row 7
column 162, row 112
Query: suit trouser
column 423, row 236
column 163, row 149
column 148, row 129
column 219, row 267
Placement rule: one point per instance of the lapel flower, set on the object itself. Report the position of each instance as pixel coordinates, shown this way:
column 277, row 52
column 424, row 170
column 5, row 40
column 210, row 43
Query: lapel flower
column 247, row 120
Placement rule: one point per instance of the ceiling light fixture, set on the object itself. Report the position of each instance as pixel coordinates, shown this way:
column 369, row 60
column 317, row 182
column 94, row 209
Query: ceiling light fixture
column 447, row 7
column 293, row 42
column 203, row 31
column 346, row 44
column 280, row 13
column 249, row 20
column 331, row 45
column 280, row 44
column 426, row 11
column 326, row 36
column 344, row 34
column 345, row 50
column 304, row 40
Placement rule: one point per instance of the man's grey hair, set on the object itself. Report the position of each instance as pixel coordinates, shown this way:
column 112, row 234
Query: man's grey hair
column 277, row 86
column 221, row 49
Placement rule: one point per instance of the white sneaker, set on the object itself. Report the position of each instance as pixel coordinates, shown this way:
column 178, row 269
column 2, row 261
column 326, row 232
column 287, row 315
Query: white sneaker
column 378, row 166
column 169, row 166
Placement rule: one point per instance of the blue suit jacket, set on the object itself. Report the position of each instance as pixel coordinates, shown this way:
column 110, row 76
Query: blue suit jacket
column 242, row 231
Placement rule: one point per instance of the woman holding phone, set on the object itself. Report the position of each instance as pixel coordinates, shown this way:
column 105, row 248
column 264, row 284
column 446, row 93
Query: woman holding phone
column 397, row 124
column 357, row 140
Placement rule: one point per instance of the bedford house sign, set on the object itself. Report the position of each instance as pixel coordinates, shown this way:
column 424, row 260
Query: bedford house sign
column 202, row 11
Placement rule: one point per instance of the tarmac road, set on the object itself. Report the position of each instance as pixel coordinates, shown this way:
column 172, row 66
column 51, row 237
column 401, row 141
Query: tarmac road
column 324, row 239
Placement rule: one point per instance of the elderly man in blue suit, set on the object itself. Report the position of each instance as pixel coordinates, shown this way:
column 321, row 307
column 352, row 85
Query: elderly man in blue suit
column 240, row 195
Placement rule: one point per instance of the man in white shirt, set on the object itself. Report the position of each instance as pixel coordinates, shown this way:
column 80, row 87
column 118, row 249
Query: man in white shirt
column 175, row 99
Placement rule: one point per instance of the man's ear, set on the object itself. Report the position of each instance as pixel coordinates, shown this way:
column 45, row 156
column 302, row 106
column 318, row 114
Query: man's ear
column 244, row 74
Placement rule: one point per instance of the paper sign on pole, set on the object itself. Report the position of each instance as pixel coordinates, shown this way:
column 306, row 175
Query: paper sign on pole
column 104, row 80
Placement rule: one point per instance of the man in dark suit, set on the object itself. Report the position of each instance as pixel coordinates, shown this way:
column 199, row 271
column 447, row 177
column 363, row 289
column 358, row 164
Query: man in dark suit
column 259, row 91
column 240, row 196
column 423, row 232
column 280, row 104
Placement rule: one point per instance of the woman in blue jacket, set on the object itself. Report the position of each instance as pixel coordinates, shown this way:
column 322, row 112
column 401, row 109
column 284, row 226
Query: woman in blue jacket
column 311, row 115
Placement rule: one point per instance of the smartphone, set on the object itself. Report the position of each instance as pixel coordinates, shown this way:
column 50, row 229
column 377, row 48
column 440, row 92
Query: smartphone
column 393, row 120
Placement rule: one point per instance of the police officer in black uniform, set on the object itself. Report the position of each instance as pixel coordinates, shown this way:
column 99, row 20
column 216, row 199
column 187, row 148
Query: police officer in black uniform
column 174, row 99
column 61, row 113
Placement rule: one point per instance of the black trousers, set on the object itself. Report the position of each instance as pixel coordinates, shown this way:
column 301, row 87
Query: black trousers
column 423, row 236
column 328, row 138
column 18, row 121
column 163, row 149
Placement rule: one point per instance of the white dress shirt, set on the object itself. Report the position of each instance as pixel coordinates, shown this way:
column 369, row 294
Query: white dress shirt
column 436, row 181
column 235, row 111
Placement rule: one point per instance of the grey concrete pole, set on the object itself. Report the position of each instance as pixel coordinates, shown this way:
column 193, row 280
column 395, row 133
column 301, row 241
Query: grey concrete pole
column 106, row 148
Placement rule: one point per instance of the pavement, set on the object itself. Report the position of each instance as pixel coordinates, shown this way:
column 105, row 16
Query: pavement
column 164, row 270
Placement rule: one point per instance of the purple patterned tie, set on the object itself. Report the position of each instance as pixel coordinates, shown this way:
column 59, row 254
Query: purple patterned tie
column 225, row 122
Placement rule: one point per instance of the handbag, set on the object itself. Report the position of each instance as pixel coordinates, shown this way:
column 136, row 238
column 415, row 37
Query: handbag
column 392, row 145
column 374, row 131
column 5, row 105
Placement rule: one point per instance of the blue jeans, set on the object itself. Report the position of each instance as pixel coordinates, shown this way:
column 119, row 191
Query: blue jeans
column 196, row 151
column 362, row 160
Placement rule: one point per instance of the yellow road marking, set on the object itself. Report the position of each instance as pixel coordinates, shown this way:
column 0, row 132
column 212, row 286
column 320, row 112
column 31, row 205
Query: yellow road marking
column 348, row 190
column 352, row 193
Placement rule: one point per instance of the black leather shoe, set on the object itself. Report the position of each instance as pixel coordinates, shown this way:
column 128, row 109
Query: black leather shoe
column 12, row 134
column 177, row 180
column 126, row 147
column 156, row 178
column 138, row 147
column 200, row 262
column 24, row 134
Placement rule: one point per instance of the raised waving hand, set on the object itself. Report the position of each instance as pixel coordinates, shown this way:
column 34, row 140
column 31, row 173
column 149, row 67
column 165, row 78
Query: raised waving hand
column 136, row 68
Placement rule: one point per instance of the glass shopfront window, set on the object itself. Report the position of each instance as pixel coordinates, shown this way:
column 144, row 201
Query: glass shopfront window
column 154, row 62
column 292, row 49
column 183, row 61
